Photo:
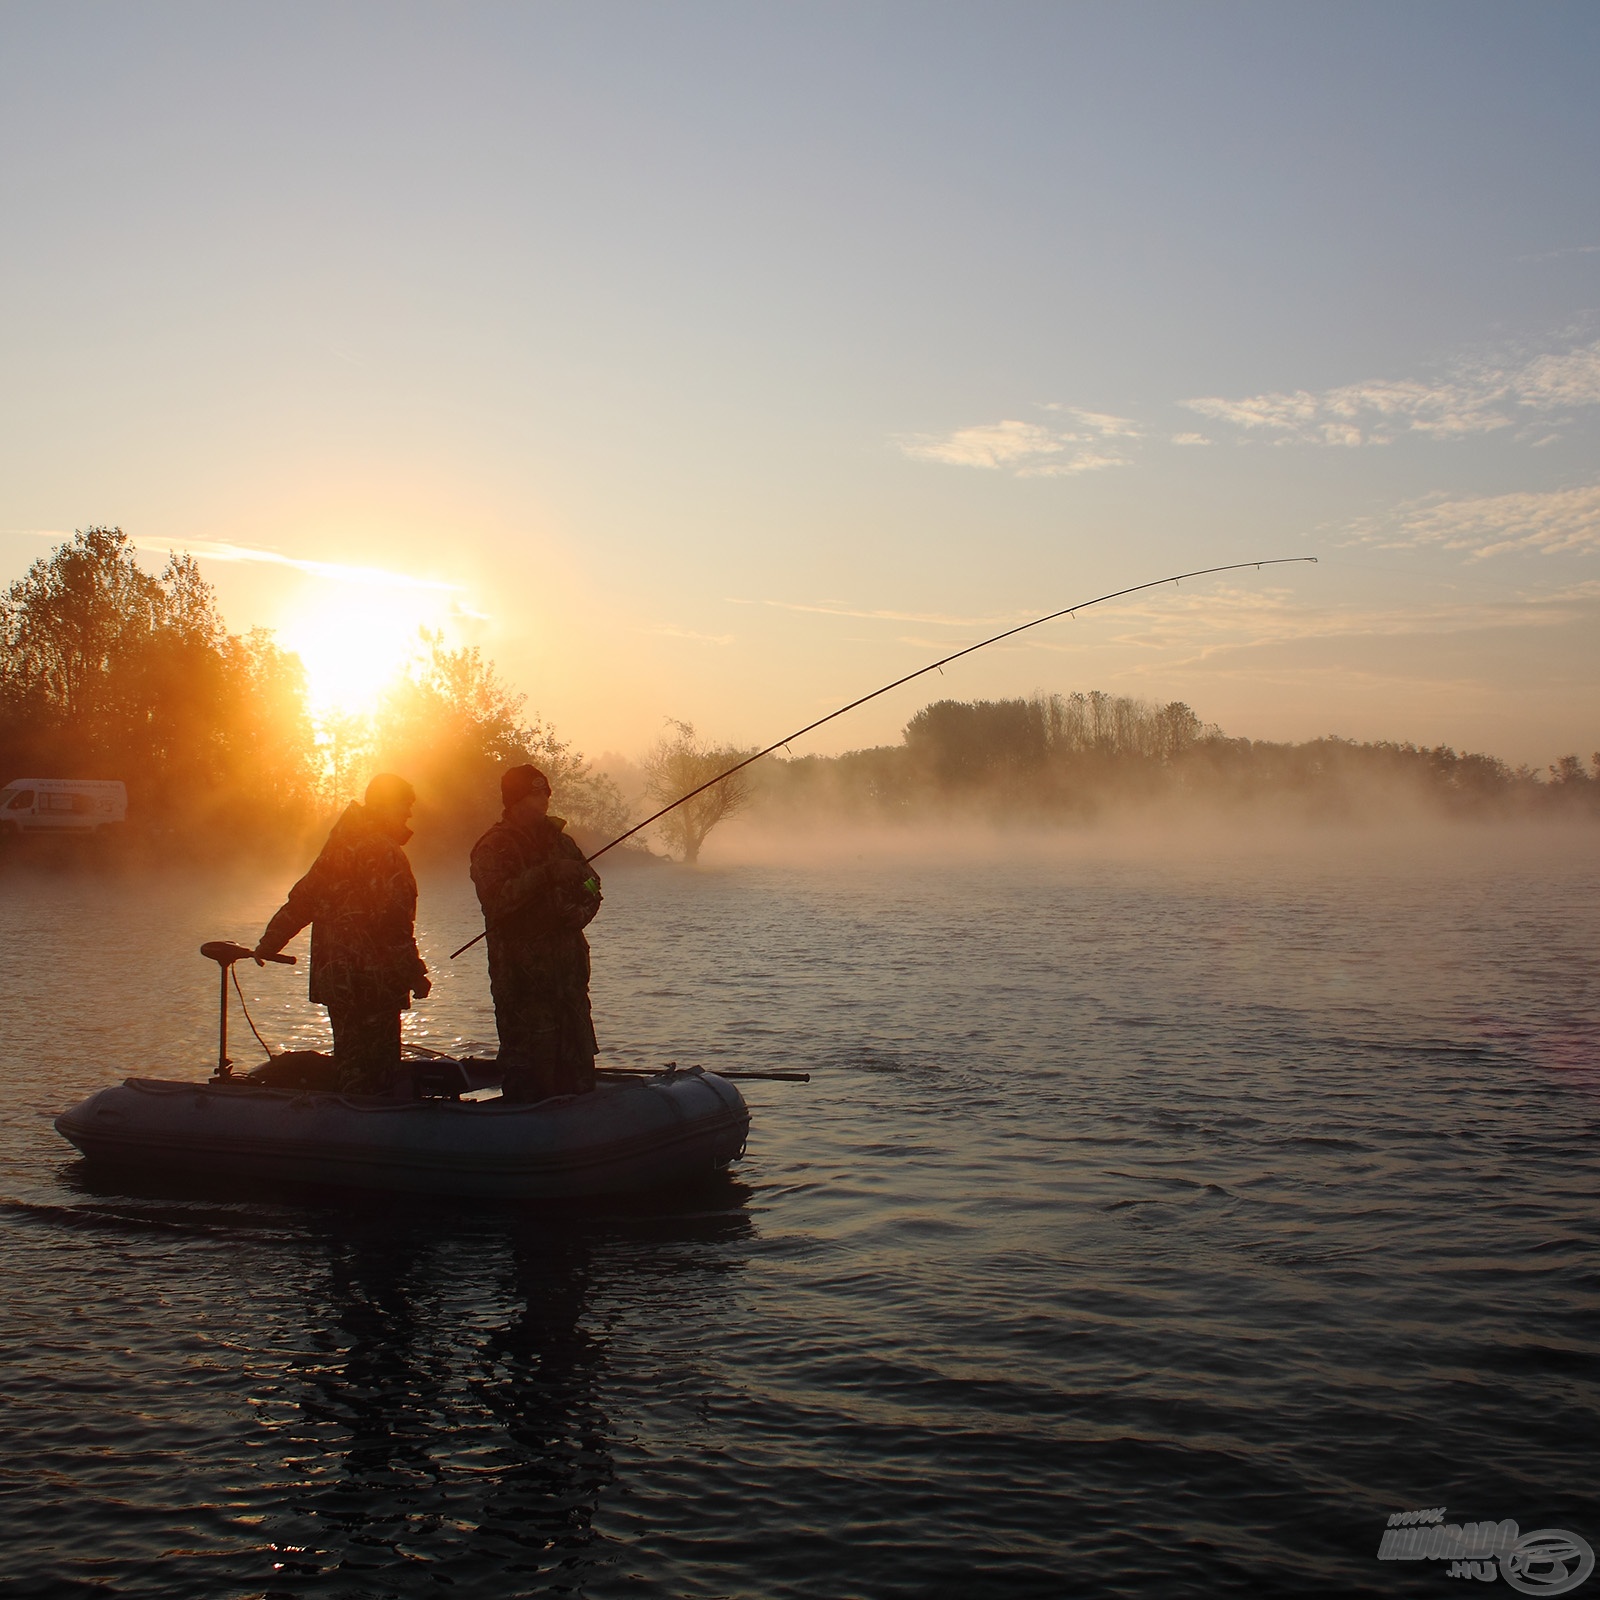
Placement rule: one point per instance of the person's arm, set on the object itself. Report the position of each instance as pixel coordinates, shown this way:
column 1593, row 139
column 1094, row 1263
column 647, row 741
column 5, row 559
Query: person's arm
column 572, row 869
column 504, row 885
column 398, row 919
column 419, row 983
column 296, row 913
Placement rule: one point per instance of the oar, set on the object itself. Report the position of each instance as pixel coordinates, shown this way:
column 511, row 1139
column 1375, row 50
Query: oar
column 673, row 1071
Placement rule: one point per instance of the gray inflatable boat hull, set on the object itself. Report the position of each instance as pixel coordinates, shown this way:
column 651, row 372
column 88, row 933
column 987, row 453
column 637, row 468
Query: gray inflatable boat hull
column 622, row 1137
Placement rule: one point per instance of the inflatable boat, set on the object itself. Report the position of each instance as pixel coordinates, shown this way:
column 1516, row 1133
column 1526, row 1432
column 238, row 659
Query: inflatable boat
column 640, row 1133
column 286, row 1122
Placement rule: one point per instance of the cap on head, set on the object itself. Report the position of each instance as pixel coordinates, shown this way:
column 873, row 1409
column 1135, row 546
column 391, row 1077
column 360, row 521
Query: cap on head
column 388, row 792
column 516, row 783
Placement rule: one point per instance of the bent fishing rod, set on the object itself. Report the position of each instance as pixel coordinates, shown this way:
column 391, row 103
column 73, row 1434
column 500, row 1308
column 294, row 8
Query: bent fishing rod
column 932, row 666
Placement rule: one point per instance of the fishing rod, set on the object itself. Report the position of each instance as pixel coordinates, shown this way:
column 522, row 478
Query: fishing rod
column 932, row 666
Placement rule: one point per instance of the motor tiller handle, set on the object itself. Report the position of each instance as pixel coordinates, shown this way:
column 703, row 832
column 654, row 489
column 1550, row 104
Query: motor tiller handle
column 225, row 952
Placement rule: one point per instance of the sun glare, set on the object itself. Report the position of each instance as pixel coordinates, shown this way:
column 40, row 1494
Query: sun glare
column 356, row 641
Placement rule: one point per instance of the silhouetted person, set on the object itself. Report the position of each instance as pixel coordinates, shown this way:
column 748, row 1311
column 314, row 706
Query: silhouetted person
column 361, row 900
column 538, row 893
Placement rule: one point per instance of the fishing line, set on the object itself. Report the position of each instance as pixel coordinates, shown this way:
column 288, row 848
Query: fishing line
column 932, row 666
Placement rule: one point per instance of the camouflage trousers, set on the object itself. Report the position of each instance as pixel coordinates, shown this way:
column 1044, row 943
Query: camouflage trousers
column 539, row 1063
column 541, row 1011
column 366, row 1048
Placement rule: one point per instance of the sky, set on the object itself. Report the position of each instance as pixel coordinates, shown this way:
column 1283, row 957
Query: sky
column 721, row 361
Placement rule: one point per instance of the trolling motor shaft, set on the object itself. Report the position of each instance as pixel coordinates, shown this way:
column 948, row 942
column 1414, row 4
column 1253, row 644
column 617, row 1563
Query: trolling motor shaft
column 225, row 952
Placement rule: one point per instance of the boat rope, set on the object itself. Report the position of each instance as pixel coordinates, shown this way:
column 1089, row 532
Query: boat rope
column 932, row 666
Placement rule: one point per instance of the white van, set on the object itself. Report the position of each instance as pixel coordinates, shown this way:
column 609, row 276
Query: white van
column 61, row 805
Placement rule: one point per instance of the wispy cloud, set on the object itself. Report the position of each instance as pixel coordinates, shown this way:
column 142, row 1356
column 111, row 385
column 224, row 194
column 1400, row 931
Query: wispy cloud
column 1475, row 398
column 1194, row 630
column 1550, row 521
column 928, row 618
column 1557, row 255
column 1030, row 449
column 373, row 577
column 218, row 550
column 670, row 630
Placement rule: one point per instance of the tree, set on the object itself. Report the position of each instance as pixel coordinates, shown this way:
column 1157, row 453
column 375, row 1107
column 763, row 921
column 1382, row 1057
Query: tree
column 345, row 756
column 270, row 725
column 108, row 671
column 452, row 727
column 73, row 625
column 960, row 743
column 679, row 763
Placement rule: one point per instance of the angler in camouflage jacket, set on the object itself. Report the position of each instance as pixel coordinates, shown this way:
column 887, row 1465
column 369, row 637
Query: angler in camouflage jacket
column 360, row 898
column 538, row 893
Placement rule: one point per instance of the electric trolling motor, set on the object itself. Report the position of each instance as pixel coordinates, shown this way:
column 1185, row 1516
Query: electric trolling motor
column 224, row 952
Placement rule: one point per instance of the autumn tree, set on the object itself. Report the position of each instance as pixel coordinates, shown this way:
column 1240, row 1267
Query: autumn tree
column 110, row 671
column 452, row 727
column 679, row 763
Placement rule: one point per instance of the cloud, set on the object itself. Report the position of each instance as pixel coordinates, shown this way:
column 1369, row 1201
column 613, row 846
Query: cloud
column 1223, row 626
column 1083, row 461
column 377, row 577
column 1476, row 398
column 1107, row 426
column 668, row 630
column 1190, row 438
column 1193, row 629
column 1029, row 449
column 1556, row 255
column 989, row 445
column 932, row 619
column 1550, row 521
column 217, row 550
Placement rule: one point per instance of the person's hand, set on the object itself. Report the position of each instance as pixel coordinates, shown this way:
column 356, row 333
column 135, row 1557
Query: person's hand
column 577, row 877
column 259, row 956
column 422, row 987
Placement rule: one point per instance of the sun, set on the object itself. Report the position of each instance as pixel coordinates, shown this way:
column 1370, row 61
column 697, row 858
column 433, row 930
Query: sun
column 355, row 640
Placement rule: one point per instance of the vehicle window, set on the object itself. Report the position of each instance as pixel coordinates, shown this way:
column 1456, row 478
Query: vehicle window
column 23, row 799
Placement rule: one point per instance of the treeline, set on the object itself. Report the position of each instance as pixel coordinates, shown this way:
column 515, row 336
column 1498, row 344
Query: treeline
column 110, row 672
column 1082, row 756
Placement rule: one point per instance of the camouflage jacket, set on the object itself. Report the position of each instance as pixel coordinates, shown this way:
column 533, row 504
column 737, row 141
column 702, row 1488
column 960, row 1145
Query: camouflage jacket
column 538, row 894
column 534, row 884
column 360, row 898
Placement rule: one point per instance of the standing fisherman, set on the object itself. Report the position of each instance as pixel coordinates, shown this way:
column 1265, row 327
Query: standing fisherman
column 360, row 898
column 538, row 894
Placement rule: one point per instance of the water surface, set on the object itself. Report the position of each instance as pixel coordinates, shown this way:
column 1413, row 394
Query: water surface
column 1154, row 1224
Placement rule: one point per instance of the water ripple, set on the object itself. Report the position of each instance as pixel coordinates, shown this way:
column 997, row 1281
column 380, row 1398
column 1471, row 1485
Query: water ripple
column 1148, row 1228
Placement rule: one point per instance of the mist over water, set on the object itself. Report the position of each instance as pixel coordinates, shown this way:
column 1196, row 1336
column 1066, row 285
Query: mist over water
column 1166, row 1209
